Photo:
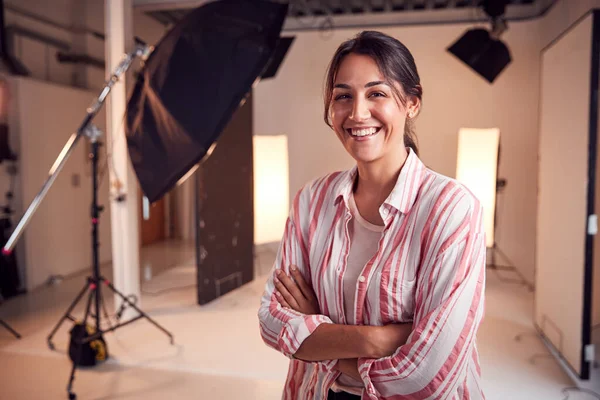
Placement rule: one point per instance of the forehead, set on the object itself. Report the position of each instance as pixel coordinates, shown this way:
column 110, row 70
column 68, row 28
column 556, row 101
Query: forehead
column 358, row 68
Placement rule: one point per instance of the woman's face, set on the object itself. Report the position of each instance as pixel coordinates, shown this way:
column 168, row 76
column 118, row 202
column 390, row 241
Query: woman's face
column 365, row 114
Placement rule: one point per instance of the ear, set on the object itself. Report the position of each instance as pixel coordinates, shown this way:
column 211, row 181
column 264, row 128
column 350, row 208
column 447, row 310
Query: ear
column 413, row 106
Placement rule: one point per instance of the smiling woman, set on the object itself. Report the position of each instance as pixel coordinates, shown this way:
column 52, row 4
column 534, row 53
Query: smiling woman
column 387, row 59
column 365, row 112
column 377, row 290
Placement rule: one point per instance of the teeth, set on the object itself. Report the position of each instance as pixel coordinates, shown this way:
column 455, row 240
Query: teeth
column 363, row 132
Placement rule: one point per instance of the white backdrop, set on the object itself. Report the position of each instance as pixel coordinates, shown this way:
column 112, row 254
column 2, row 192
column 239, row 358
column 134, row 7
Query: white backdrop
column 562, row 190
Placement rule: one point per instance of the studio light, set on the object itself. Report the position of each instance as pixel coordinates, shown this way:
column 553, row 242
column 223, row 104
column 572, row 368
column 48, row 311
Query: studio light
column 477, row 169
column 193, row 82
column 271, row 187
column 482, row 50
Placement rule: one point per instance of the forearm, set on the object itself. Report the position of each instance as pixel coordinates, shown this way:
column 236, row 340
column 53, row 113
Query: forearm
column 335, row 342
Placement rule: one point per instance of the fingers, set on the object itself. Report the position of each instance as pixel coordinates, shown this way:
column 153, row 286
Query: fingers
column 306, row 290
column 285, row 293
column 294, row 292
column 291, row 286
column 282, row 300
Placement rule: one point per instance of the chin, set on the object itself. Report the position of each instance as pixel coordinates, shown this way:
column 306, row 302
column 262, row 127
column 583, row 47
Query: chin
column 366, row 154
column 363, row 158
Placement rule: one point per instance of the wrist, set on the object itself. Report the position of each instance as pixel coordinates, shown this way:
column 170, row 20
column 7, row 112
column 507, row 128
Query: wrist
column 371, row 337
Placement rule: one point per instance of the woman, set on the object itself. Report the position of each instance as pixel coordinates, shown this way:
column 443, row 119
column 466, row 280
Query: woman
column 378, row 285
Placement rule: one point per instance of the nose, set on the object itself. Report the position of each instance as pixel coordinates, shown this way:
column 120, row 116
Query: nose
column 360, row 111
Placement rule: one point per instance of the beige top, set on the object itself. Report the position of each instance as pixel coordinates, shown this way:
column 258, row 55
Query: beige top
column 364, row 239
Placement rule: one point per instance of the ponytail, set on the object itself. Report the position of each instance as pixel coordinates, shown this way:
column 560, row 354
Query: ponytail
column 410, row 138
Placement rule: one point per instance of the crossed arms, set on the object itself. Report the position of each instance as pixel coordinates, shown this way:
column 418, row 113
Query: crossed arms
column 345, row 343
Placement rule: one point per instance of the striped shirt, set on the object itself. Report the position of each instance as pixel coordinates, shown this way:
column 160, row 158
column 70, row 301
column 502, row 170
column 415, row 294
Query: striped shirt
column 429, row 269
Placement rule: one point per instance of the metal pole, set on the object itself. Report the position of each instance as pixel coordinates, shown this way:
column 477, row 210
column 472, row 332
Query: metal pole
column 96, row 209
column 140, row 50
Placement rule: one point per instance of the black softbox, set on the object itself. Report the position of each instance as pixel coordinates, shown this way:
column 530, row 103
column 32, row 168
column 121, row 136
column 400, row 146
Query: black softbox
column 482, row 53
column 193, row 82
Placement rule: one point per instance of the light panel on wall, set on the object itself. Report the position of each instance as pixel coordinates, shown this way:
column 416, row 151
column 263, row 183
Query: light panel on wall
column 271, row 187
column 476, row 168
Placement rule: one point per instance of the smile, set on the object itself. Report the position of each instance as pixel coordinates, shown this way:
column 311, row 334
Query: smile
column 363, row 132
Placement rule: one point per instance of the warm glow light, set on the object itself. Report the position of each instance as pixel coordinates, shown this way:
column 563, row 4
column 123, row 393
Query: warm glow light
column 476, row 168
column 271, row 188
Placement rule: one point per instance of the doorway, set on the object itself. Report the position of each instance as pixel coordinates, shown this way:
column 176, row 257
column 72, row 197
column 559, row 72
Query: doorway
column 152, row 221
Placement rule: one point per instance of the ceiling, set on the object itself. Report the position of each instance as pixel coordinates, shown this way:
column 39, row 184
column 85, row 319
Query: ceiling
column 330, row 14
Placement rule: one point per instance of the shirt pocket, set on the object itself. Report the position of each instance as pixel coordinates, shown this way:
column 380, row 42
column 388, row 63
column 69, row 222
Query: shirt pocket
column 397, row 297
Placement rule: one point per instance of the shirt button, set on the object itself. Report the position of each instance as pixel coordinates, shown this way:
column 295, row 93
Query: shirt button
column 361, row 278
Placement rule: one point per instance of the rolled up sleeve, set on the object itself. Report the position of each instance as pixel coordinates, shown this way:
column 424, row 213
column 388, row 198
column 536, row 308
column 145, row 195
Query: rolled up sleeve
column 284, row 329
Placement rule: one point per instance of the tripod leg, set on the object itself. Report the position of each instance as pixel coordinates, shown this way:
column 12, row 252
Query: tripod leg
column 104, row 309
column 10, row 329
column 79, row 346
column 136, row 308
column 66, row 315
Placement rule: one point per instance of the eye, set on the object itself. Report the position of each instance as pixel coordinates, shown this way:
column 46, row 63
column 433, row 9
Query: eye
column 377, row 94
column 342, row 96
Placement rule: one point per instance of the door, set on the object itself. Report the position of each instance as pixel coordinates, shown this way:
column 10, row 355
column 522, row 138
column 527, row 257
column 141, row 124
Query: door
column 152, row 230
column 566, row 224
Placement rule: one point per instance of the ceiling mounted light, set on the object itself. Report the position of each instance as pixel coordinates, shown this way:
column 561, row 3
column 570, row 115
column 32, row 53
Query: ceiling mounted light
column 481, row 49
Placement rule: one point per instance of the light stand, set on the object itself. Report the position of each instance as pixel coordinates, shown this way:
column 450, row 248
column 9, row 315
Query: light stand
column 500, row 185
column 95, row 281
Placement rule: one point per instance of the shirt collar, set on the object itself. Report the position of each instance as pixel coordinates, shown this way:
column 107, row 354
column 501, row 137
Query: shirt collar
column 403, row 195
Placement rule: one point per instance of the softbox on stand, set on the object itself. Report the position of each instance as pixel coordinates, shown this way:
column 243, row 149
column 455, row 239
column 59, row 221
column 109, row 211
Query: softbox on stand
column 193, row 82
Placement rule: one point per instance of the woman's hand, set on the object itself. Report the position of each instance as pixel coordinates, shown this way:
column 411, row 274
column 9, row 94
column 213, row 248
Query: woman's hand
column 295, row 293
column 349, row 366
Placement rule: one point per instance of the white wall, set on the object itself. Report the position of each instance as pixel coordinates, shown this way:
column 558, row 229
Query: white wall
column 454, row 97
column 57, row 241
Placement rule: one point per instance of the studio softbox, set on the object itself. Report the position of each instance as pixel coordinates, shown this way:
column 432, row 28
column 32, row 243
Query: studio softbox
column 482, row 53
column 192, row 83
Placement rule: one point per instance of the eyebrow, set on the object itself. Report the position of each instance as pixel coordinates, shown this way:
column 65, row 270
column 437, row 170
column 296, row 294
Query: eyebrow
column 368, row 85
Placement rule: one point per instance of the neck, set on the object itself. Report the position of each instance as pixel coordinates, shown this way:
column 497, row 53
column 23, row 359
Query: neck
column 377, row 179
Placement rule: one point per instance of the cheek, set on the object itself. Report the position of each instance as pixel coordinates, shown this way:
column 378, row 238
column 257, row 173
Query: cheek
column 338, row 114
column 390, row 114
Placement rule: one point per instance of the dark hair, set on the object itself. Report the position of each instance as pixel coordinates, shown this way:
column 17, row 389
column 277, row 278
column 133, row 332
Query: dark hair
column 395, row 62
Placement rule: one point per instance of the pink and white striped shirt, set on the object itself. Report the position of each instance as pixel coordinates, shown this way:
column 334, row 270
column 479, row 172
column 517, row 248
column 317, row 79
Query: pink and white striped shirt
column 429, row 269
